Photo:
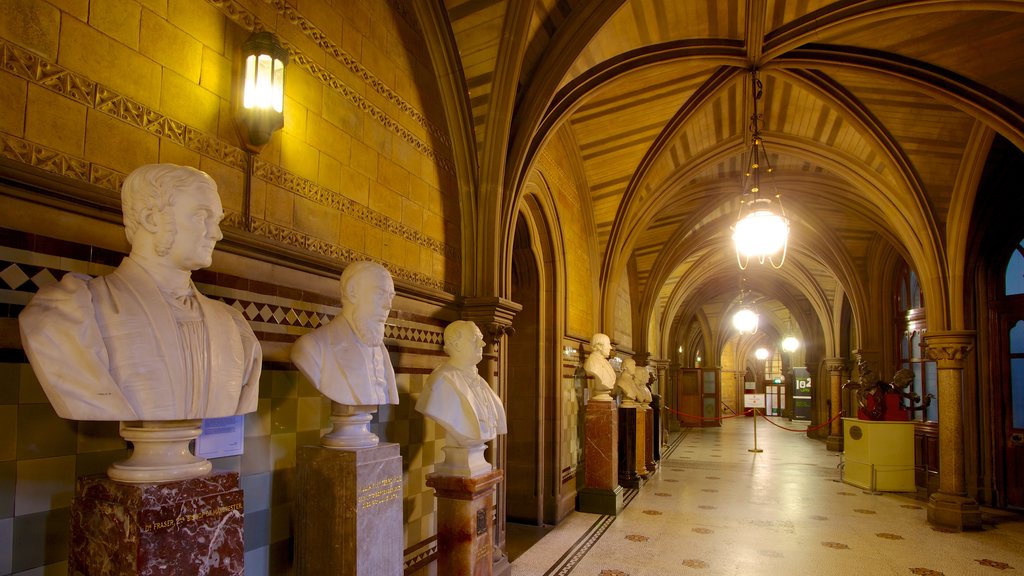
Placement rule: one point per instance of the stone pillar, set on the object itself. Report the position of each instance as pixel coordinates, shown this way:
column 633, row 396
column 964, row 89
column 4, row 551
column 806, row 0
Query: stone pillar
column 190, row 526
column 951, row 507
column 835, row 366
column 348, row 511
column 602, row 493
column 464, row 540
column 493, row 315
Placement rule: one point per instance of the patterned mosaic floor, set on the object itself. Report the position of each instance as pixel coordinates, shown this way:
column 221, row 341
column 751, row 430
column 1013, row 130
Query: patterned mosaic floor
column 715, row 508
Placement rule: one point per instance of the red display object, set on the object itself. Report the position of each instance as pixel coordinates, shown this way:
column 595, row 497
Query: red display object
column 891, row 410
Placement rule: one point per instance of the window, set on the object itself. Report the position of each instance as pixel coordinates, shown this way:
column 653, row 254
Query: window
column 912, row 325
column 1015, row 286
column 1015, row 271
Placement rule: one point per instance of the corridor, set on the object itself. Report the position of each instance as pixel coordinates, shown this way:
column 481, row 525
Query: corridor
column 716, row 508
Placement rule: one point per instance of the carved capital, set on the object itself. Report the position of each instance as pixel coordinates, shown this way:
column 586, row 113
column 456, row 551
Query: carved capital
column 949, row 349
column 493, row 315
column 835, row 365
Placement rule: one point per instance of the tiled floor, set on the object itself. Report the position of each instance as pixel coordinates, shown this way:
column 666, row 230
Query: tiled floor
column 715, row 508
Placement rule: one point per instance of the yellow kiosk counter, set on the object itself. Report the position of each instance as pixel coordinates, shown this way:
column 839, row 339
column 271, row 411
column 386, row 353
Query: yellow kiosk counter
column 878, row 455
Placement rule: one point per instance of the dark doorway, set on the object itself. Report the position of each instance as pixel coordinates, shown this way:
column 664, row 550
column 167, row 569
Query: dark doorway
column 524, row 473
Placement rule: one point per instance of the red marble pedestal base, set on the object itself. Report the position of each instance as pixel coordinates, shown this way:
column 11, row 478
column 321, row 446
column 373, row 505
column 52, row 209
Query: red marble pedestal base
column 465, row 541
column 348, row 511
column 602, row 493
column 190, row 526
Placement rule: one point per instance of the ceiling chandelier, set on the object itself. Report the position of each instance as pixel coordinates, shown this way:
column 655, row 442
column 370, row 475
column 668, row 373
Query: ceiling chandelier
column 762, row 231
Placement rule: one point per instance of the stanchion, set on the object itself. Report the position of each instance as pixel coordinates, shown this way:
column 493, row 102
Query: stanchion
column 755, row 448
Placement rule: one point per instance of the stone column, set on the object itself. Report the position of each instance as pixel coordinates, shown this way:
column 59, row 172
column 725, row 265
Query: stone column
column 951, row 507
column 493, row 315
column 835, row 366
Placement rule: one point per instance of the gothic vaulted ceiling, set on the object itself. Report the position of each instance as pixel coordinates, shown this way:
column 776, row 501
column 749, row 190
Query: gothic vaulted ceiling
column 877, row 115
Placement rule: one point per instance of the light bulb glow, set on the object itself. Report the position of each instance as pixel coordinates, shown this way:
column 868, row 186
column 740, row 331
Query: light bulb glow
column 264, row 82
column 761, row 234
column 761, row 354
column 790, row 344
column 745, row 321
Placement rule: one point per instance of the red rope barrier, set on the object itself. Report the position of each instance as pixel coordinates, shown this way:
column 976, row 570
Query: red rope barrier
column 808, row 429
column 702, row 418
column 735, row 415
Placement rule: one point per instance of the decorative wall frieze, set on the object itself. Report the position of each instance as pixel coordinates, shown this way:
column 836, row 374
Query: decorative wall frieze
column 334, row 251
column 238, row 13
column 332, row 199
column 59, row 163
column 24, row 64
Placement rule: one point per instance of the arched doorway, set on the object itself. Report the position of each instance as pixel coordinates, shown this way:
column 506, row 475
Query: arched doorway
column 998, row 252
column 524, row 470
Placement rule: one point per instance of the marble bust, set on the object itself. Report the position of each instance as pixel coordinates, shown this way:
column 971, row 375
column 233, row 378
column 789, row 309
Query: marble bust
column 598, row 367
column 141, row 343
column 640, row 377
column 627, row 384
column 457, row 397
column 346, row 359
column 462, row 402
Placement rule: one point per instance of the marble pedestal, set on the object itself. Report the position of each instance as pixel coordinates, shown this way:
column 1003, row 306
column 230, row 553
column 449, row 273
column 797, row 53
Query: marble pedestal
column 641, row 441
column 656, row 417
column 348, row 511
column 601, row 493
column 649, row 440
column 190, row 526
column 465, row 540
column 628, row 474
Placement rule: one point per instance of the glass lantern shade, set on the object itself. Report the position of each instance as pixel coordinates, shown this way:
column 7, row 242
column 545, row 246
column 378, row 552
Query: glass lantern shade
column 761, row 354
column 745, row 321
column 264, row 82
column 761, row 233
column 261, row 102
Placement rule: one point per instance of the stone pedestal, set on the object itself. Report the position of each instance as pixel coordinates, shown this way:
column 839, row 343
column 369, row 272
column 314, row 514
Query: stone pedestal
column 649, row 440
column 628, row 474
column 348, row 511
column 190, row 526
column 656, row 417
column 641, row 441
column 464, row 515
column 160, row 452
column 601, row 493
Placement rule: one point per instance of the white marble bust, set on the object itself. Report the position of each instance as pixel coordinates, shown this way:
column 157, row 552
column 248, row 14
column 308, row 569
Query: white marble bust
column 599, row 368
column 463, row 403
column 142, row 343
column 457, row 397
column 346, row 359
column 640, row 378
column 627, row 384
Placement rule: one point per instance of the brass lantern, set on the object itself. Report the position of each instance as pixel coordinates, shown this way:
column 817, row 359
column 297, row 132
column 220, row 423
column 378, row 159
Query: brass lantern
column 261, row 110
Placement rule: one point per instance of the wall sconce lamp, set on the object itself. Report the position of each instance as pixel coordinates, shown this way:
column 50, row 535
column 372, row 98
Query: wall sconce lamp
column 261, row 110
column 260, row 106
